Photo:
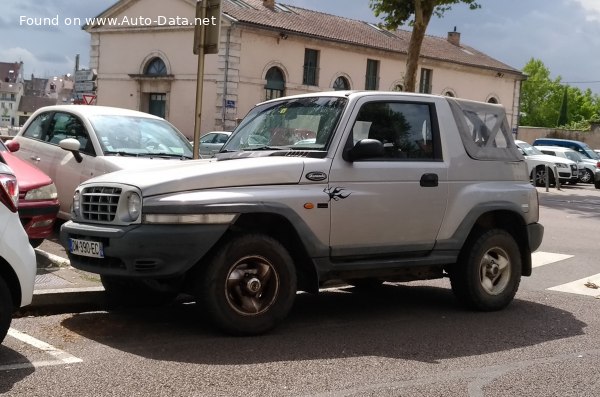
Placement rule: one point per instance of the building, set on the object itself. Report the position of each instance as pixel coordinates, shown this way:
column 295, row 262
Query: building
column 144, row 59
column 11, row 90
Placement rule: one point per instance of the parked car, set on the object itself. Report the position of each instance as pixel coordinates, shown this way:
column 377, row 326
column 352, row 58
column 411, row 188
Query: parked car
column 589, row 170
column 537, row 162
column 580, row 147
column 72, row 143
column 212, row 142
column 17, row 258
column 38, row 199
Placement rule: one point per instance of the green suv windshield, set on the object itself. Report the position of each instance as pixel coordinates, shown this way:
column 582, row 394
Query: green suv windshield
column 291, row 124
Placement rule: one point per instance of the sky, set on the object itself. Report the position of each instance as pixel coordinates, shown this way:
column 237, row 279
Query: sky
column 563, row 34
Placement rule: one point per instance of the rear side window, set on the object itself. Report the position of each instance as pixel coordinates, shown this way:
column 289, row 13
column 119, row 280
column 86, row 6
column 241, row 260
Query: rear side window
column 484, row 130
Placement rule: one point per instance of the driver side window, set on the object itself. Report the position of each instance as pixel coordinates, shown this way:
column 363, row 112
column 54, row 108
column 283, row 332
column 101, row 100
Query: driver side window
column 404, row 129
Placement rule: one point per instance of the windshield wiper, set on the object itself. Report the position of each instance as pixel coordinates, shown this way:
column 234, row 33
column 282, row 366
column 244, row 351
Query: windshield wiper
column 122, row 153
column 265, row 147
column 182, row 156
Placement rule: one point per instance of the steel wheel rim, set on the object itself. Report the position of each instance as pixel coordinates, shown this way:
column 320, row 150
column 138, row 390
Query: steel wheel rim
column 494, row 271
column 252, row 285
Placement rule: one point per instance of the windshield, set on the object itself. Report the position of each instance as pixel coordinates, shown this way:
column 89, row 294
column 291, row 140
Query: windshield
column 292, row 124
column 139, row 136
column 576, row 157
column 529, row 150
column 591, row 154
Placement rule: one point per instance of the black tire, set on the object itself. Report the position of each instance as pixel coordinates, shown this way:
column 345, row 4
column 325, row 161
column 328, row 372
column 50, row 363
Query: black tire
column 249, row 285
column 597, row 184
column 488, row 272
column 36, row 242
column 538, row 175
column 6, row 309
column 587, row 176
column 121, row 291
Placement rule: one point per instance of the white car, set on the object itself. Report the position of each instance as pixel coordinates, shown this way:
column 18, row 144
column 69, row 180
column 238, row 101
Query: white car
column 588, row 168
column 212, row 142
column 73, row 143
column 17, row 258
column 537, row 162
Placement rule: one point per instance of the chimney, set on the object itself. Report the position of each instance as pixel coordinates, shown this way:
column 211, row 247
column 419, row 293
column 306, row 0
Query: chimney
column 454, row 37
column 269, row 4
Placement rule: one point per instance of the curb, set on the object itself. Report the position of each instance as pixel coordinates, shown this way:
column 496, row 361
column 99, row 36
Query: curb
column 51, row 259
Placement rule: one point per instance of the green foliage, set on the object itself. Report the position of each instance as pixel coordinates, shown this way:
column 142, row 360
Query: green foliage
column 544, row 101
column 399, row 12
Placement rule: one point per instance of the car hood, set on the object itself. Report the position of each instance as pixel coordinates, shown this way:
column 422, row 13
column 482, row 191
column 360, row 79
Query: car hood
column 550, row 159
column 205, row 174
column 28, row 175
column 116, row 163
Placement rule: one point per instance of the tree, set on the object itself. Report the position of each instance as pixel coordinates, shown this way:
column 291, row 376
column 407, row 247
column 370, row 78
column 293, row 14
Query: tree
column 563, row 116
column 398, row 12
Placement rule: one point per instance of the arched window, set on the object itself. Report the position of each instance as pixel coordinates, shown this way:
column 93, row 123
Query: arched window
column 449, row 93
column 275, row 87
column 398, row 87
column 156, row 67
column 341, row 84
column 493, row 100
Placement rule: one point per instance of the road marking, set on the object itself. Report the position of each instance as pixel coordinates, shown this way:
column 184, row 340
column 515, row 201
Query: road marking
column 61, row 357
column 589, row 286
column 540, row 258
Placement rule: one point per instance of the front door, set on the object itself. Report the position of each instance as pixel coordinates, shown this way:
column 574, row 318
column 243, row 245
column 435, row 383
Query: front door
column 158, row 104
column 394, row 204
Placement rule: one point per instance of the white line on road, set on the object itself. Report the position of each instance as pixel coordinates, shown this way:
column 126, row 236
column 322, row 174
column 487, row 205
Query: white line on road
column 589, row 286
column 540, row 258
column 62, row 357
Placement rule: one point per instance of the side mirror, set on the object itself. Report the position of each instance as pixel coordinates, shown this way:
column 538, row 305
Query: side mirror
column 72, row 145
column 364, row 149
column 13, row 146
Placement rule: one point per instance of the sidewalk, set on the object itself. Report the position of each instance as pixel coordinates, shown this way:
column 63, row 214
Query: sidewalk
column 59, row 284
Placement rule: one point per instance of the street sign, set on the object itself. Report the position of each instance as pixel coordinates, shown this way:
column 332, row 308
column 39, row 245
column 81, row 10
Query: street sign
column 84, row 86
column 208, row 26
column 85, row 75
column 89, row 99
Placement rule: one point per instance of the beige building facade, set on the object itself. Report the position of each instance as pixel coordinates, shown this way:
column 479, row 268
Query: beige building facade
column 144, row 59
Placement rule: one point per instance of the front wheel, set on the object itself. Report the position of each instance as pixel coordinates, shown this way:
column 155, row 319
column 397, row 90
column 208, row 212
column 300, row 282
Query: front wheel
column 6, row 309
column 248, row 285
column 539, row 176
column 488, row 272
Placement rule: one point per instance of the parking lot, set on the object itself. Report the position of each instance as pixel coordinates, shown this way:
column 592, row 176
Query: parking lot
column 405, row 339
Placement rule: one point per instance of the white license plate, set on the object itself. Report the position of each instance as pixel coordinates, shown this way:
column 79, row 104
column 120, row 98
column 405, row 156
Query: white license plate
column 86, row 248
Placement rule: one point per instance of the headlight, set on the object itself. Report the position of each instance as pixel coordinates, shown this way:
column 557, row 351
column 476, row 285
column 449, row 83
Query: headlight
column 561, row 165
column 134, row 205
column 47, row 192
column 76, row 202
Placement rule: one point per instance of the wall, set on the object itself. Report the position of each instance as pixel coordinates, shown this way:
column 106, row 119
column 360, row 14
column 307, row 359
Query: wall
column 529, row 134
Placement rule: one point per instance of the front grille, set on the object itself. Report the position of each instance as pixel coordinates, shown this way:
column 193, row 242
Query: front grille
column 99, row 203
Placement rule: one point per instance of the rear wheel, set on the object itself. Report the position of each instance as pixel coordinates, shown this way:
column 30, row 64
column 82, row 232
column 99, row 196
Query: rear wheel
column 586, row 176
column 6, row 309
column 488, row 272
column 248, row 285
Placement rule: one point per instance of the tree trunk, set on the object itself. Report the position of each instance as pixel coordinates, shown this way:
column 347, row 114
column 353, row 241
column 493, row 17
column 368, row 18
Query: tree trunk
column 423, row 13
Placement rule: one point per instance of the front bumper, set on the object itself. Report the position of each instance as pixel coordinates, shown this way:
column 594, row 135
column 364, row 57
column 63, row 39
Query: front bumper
column 151, row 251
column 535, row 232
column 38, row 219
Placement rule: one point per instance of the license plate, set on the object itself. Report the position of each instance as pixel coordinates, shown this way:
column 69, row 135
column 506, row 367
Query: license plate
column 86, row 248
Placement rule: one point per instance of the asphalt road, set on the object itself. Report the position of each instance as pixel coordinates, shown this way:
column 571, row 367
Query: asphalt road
column 403, row 340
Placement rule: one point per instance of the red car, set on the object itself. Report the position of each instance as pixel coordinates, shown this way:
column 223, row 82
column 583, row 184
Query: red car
column 38, row 200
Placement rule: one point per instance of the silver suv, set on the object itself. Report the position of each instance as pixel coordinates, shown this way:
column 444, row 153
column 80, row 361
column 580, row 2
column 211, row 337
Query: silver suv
column 17, row 258
column 364, row 187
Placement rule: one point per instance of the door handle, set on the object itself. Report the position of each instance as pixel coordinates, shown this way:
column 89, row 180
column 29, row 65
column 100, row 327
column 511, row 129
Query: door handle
column 429, row 180
column 35, row 158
